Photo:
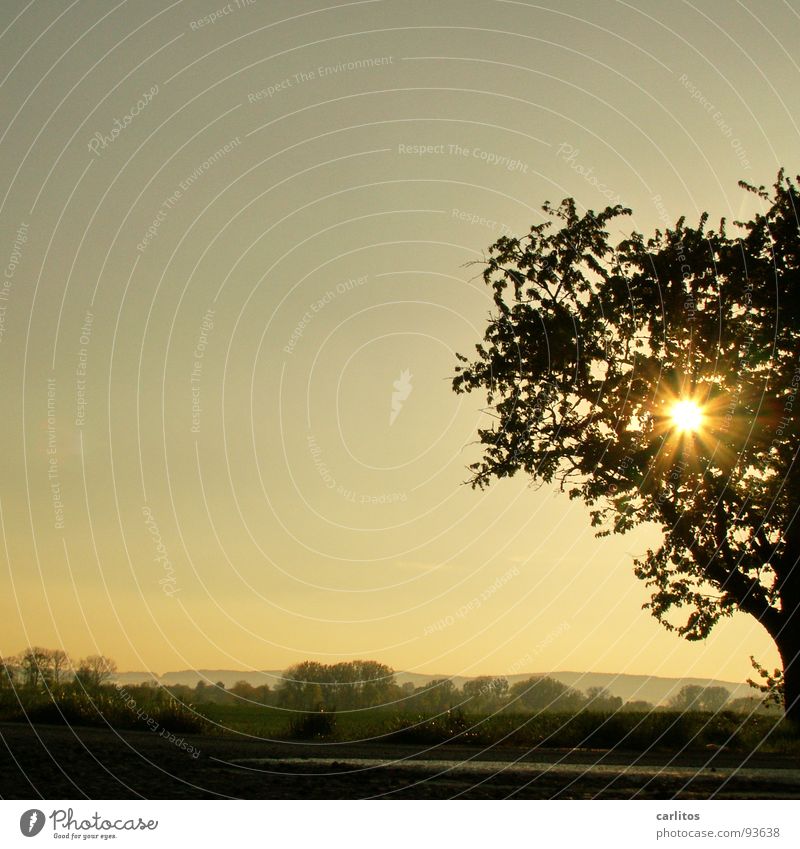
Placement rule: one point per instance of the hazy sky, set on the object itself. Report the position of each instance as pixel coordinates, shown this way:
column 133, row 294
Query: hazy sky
column 231, row 234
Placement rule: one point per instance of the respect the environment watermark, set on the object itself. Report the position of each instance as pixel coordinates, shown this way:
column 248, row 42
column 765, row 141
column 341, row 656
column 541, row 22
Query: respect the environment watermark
column 183, row 186
column 318, row 73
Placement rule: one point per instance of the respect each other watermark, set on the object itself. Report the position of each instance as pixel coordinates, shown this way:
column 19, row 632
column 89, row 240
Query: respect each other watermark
column 319, row 305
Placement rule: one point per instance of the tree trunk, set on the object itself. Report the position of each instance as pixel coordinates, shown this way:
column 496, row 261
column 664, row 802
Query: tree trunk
column 788, row 635
column 788, row 642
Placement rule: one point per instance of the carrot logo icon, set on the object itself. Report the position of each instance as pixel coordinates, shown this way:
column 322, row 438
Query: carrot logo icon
column 31, row 822
column 402, row 389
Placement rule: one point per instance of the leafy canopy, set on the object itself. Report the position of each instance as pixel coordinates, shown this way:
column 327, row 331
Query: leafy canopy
column 589, row 349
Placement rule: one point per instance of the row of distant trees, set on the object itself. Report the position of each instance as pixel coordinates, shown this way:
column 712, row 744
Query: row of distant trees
column 352, row 685
column 314, row 686
column 42, row 670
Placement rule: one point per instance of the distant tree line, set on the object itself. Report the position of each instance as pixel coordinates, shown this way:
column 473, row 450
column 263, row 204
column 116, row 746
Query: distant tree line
column 46, row 686
column 311, row 686
column 40, row 670
column 38, row 674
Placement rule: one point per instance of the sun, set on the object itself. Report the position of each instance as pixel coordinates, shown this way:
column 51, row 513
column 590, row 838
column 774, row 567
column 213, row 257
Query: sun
column 687, row 416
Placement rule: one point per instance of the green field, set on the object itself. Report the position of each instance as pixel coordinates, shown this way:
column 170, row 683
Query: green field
column 657, row 730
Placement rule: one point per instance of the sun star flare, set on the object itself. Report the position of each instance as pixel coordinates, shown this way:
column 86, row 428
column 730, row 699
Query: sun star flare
column 687, row 416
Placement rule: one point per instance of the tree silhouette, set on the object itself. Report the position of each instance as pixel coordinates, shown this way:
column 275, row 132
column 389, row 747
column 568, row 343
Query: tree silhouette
column 340, row 686
column 544, row 694
column 243, row 690
column 9, row 672
column 601, row 699
column 436, row 696
column 484, row 693
column 590, row 350
column 637, row 706
column 61, row 667
column 37, row 669
column 695, row 697
column 94, row 671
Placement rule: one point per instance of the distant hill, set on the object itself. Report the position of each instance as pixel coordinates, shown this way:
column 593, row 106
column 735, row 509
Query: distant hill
column 648, row 688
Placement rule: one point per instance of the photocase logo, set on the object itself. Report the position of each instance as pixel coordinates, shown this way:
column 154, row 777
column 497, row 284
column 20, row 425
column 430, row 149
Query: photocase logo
column 402, row 389
column 31, row 822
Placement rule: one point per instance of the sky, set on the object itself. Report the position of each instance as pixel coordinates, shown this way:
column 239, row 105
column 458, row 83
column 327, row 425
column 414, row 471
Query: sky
column 241, row 247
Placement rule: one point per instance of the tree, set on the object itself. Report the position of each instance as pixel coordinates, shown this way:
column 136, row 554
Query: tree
column 772, row 685
column 262, row 694
column 595, row 350
column 94, row 671
column 340, row 686
column 211, row 693
column 750, row 704
column 9, row 672
column 360, row 683
column 61, row 666
column 243, row 690
column 601, row 700
column 36, row 668
column 695, row 697
column 436, row 696
column 540, row 694
column 485, row 693
column 180, row 692
column 302, row 687
column 203, row 692
column 637, row 706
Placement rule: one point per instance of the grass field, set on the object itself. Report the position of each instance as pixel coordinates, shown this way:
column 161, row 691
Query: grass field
column 658, row 730
column 662, row 730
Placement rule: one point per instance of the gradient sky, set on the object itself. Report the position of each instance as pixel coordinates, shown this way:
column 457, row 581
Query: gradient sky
column 341, row 166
